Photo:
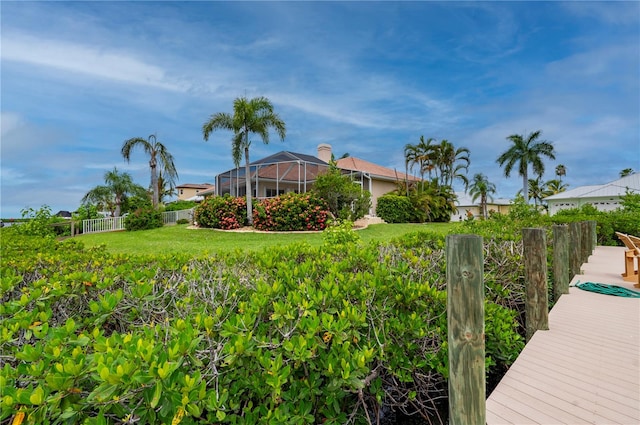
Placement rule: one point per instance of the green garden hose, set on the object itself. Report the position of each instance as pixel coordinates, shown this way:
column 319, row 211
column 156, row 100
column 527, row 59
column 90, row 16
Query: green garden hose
column 601, row 288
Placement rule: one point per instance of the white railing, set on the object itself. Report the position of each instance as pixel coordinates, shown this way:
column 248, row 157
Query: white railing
column 97, row 225
column 171, row 217
column 112, row 224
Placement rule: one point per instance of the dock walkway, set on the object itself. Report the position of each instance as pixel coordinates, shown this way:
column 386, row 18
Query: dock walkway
column 586, row 368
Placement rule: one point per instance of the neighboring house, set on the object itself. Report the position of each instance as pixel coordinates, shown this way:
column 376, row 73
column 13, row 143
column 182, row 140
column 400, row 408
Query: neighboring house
column 286, row 172
column 193, row 192
column 465, row 206
column 605, row 197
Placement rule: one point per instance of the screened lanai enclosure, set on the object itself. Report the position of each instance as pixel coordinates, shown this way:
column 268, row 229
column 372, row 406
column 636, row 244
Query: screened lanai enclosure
column 275, row 175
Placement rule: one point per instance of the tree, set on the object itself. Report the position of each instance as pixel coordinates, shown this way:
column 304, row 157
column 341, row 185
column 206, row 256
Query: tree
column 561, row 171
column 524, row 151
column 626, row 172
column 249, row 116
column 344, row 197
column 481, row 187
column 555, row 186
column 420, row 154
column 159, row 157
column 451, row 161
column 111, row 196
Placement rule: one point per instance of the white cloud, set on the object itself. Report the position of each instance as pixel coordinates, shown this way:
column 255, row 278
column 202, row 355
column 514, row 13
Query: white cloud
column 92, row 61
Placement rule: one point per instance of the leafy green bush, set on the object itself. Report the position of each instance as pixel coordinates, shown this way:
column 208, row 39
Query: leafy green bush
column 292, row 335
column 291, row 212
column 180, row 205
column 221, row 212
column 182, row 221
column 344, row 198
column 340, row 233
column 395, row 209
column 39, row 222
column 143, row 219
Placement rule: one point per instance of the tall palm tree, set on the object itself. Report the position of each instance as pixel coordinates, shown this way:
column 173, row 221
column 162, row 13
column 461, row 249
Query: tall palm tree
column 481, row 187
column 524, row 151
column 452, row 161
column 118, row 186
column 561, row 171
column 249, row 116
column 159, row 157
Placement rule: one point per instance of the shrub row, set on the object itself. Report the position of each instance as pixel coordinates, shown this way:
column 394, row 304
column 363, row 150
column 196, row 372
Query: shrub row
column 291, row 212
column 221, row 212
column 294, row 335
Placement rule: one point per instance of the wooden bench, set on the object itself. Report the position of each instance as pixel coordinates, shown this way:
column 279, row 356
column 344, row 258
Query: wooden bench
column 631, row 256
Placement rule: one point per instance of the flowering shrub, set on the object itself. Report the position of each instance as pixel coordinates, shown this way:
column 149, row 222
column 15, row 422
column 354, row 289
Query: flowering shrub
column 221, row 212
column 291, row 211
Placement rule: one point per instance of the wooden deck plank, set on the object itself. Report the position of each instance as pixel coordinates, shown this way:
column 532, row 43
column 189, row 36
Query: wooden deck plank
column 586, row 368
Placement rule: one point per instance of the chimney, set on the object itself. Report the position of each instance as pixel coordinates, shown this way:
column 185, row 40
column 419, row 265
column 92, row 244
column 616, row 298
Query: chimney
column 324, row 152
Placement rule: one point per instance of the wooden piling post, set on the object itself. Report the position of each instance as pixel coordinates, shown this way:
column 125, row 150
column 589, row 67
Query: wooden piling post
column 535, row 269
column 465, row 316
column 560, row 261
column 585, row 241
column 593, row 229
column 574, row 249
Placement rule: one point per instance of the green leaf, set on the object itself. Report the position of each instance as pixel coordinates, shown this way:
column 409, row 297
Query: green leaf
column 156, row 395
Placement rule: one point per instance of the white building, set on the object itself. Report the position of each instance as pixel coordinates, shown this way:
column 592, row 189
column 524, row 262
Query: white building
column 605, row 197
column 465, row 206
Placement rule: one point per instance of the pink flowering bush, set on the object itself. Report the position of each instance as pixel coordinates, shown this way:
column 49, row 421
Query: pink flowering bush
column 291, row 212
column 221, row 212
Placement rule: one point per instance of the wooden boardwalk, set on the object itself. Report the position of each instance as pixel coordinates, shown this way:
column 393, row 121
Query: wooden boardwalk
column 586, row 368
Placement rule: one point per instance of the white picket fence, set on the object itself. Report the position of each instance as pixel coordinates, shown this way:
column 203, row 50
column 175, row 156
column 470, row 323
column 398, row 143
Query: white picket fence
column 112, row 224
column 171, row 217
column 97, row 225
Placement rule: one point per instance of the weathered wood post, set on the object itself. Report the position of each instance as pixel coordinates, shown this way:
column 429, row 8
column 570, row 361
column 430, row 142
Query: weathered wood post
column 560, row 261
column 593, row 229
column 535, row 270
column 465, row 316
column 574, row 249
column 585, row 241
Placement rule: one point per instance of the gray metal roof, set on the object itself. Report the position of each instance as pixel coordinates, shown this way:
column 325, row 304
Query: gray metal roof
column 286, row 156
column 615, row 188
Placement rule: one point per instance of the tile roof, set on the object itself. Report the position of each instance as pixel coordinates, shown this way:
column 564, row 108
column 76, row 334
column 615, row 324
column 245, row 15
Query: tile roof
column 195, row 186
column 356, row 164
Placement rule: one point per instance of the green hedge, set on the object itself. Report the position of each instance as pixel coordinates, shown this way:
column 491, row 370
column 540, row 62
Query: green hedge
column 395, row 209
column 143, row 219
column 293, row 335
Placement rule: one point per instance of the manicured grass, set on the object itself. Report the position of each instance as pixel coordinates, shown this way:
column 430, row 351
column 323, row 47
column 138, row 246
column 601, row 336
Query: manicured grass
column 180, row 239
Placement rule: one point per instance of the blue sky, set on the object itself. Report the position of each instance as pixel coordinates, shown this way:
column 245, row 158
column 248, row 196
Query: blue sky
column 79, row 78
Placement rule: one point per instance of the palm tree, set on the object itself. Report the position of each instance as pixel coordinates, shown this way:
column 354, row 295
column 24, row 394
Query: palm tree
column 110, row 196
column 420, row 154
column 626, row 172
column 525, row 151
column 249, row 116
column 561, row 171
column 481, row 187
column 158, row 156
column 555, row 186
column 451, row 162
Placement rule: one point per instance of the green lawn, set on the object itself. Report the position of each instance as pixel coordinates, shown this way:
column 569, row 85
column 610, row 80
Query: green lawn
column 180, row 239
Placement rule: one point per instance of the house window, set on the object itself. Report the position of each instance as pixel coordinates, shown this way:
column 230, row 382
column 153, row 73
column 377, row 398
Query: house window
column 181, row 191
column 271, row 193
